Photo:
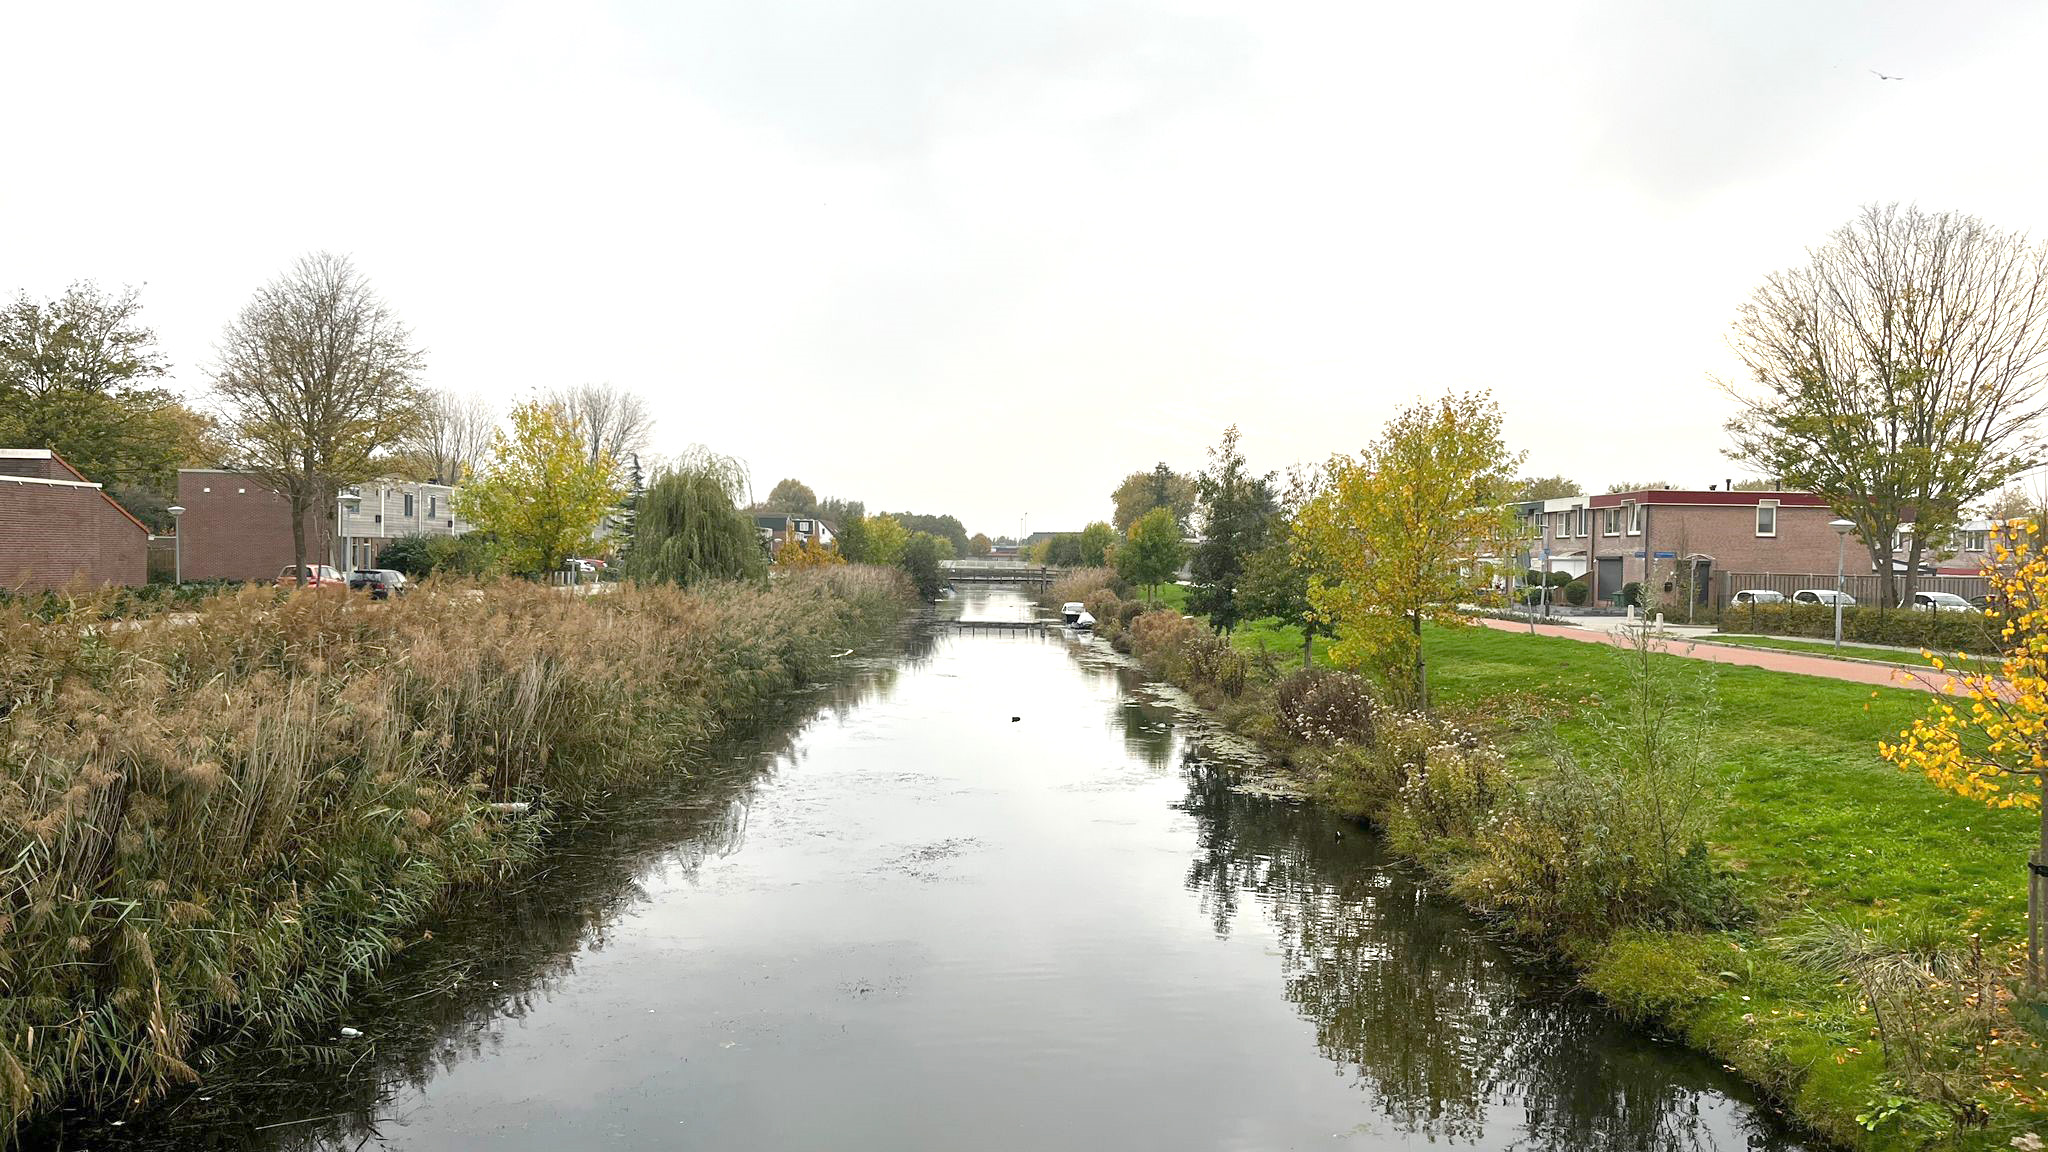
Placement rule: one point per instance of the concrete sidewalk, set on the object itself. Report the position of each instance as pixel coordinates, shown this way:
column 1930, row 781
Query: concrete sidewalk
column 1680, row 644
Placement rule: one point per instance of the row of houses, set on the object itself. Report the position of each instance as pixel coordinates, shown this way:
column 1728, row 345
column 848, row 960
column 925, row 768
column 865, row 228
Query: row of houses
column 1617, row 538
column 58, row 526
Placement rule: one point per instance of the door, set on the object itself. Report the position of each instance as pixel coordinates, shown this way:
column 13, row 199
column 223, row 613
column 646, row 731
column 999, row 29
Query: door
column 1607, row 584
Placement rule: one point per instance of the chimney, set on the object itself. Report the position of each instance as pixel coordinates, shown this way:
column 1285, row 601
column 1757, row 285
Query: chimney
column 1730, row 482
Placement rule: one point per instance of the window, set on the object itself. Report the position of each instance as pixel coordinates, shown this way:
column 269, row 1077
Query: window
column 433, row 507
column 1767, row 517
column 1632, row 512
column 1613, row 525
column 1974, row 541
column 1585, row 516
column 408, row 505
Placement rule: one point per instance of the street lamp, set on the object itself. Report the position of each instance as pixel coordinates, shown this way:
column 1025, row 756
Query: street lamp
column 1841, row 528
column 177, row 545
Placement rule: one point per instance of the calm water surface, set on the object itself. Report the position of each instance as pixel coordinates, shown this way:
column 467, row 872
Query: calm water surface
column 992, row 893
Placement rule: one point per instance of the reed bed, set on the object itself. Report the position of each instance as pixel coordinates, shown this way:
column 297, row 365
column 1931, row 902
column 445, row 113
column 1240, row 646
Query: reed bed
column 215, row 827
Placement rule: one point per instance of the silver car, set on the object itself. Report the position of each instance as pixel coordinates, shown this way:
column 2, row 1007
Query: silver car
column 1827, row 596
column 1759, row 596
column 1941, row 602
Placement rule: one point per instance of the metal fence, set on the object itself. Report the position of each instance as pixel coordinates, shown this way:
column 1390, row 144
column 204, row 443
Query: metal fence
column 1863, row 588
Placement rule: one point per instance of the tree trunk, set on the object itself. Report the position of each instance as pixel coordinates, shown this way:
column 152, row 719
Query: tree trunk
column 1912, row 573
column 1881, row 564
column 297, row 502
column 1308, row 646
column 1421, row 669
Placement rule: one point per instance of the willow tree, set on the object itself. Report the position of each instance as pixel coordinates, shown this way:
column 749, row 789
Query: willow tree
column 1408, row 531
column 690, row 528
column 1898, row 372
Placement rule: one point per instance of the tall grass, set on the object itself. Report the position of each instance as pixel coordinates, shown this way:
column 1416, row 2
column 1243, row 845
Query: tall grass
column 216, row 827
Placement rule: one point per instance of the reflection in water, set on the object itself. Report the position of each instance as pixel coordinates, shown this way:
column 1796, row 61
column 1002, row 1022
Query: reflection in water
column 923, row 924
column 1452, row 1037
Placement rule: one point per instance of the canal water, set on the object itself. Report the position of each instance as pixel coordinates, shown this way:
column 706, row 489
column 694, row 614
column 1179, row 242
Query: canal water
column 992, row 890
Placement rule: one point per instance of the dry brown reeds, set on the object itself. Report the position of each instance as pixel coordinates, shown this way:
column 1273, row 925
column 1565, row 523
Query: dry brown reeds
column 215, row 826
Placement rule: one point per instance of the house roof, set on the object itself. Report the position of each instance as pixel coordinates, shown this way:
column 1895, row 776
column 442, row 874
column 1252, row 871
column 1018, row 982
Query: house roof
column 79, row 482
column 1709, row 497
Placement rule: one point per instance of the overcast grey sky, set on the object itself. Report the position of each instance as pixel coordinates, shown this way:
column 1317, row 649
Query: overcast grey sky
column 985, row 258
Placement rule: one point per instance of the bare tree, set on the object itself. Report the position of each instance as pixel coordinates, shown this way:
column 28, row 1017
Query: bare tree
column 1899, row 372
column 613, row 422
column 450, row 438
column 316, row 378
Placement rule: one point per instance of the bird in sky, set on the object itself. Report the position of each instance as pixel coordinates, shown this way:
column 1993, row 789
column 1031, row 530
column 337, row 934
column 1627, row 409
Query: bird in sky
column 1882, row 76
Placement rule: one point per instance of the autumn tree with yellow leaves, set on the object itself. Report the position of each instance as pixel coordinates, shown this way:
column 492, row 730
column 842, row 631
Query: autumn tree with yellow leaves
column 1403, row 533
column 540, row 493
column 1986, row 737
column 804, row 552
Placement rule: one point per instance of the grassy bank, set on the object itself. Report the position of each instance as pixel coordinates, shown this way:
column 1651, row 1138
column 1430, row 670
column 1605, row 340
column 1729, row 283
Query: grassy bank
column 215, row 828
column 1819, row 857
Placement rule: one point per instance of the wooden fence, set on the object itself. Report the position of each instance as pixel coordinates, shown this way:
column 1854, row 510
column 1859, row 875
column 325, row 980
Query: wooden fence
column 1864, row 588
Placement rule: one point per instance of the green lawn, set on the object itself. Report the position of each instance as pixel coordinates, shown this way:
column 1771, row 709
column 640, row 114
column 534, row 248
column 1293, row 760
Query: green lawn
column 1814, row 818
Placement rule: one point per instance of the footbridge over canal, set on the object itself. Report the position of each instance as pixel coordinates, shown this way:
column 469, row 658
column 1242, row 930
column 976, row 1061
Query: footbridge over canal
column 979, row 572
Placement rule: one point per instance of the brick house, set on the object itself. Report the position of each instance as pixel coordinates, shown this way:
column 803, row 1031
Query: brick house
column 56, row 526
column 1669, row 532
column 1558, row 533
column 235, row 528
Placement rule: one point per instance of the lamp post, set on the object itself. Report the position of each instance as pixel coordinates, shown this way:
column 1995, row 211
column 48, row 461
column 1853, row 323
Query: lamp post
column 1841, row 528
column 177, row 545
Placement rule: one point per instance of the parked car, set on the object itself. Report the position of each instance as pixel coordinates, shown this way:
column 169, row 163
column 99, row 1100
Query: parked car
column 575, row 565
column 1989, row 602
column 1826, row 596
column 1759, row 596
column 380, row 583
column 1942, row 602
column 317, row 576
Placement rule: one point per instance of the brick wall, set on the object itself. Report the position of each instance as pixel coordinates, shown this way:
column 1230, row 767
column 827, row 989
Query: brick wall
column 52, row 534
column 234, row 528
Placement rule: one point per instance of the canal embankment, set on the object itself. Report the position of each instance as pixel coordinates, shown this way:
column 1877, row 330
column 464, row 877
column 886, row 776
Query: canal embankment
column 215, row 833
column 1846, row 935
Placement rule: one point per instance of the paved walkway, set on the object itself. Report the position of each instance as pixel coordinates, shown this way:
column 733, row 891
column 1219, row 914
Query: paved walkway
column 1771, row 658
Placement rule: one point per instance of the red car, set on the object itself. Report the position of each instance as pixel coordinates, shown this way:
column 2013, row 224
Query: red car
column 317, row 576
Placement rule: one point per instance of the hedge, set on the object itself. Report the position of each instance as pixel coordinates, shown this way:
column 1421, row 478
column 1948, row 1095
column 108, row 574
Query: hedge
column 1906, row 628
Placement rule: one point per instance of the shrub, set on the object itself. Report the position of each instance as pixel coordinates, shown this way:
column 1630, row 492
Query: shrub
column 1081, row 583
column 1447, row 796
column 1156, row 635
column 1616, row 834
column 1104, row 606
column 1863, row 624
column 1632, row 593
column 1368, row 779
column 1577, row 593
column 1325, row 706
column 412, row 555
column 1560, row 579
